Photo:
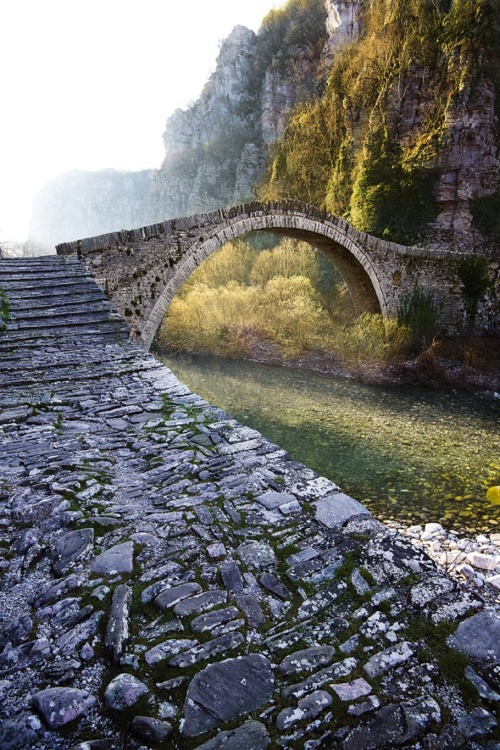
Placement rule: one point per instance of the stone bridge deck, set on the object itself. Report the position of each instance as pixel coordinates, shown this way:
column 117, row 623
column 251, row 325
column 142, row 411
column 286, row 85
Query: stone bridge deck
column 169, row 578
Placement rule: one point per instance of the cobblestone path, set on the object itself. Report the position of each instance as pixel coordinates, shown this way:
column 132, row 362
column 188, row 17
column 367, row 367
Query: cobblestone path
column 170, row 578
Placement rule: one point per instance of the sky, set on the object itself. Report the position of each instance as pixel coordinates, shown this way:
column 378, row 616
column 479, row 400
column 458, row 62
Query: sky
column 89, row 84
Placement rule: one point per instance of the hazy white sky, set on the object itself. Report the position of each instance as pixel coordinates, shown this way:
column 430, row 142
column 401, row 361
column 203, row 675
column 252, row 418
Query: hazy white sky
column 89, row 84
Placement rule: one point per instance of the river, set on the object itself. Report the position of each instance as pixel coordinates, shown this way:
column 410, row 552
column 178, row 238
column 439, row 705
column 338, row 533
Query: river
column 408, row 454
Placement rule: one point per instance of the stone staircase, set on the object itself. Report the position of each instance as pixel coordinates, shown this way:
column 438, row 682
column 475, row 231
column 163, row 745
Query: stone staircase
column 54, row 300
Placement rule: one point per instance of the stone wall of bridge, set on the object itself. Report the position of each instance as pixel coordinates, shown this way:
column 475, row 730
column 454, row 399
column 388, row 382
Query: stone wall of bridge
column 141, row 270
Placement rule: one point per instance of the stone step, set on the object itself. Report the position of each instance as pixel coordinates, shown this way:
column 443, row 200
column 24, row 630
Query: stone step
column 12, row 284
column 54, row 310
column 41, row 261
column 85, row 301
column 55, row 270
column 44, row 296
column 25, row 336
column 60, row 319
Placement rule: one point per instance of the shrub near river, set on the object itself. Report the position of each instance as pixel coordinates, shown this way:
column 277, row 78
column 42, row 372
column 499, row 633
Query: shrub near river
column 289, row 300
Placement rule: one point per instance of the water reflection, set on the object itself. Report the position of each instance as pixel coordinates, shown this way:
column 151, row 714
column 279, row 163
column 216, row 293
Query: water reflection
column 406, row 453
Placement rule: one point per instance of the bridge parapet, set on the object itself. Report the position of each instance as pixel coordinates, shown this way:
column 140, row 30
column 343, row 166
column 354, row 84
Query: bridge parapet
column 142, row 269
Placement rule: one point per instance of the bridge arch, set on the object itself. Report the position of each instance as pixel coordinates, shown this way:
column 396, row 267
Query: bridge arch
column 352, row 262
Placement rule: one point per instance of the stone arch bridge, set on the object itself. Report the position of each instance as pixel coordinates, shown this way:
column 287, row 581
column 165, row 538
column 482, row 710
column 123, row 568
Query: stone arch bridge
column 141, row 270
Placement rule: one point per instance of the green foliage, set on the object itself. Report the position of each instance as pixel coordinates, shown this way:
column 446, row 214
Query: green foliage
column 474, row 273
column 418, row 313
column 299, row 23
column 486, row 215
column 4, row 310
column 290, row 298
column 372, row 338
column 388, row 199
column 351, row 150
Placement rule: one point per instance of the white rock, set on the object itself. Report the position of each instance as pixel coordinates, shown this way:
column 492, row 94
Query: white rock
column 494, row 581
column 452, row 558
column 431, row 529
column 466, row 570
column 482, row 561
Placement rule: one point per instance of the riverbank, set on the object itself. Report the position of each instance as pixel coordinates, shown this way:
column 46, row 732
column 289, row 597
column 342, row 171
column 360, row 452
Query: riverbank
column 474, row 561
column 471, row 365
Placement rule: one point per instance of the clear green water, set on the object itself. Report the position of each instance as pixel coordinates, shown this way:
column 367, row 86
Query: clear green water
column 407, row 453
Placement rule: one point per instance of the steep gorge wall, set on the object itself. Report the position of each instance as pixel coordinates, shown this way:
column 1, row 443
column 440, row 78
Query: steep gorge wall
column 216, row 150
column 383, row 113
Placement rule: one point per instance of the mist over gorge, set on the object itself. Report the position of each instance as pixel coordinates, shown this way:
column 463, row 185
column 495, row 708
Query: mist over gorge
column 297, row 110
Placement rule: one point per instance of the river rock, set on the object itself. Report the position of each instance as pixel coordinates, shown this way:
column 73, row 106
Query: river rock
column 221, row 692
column 124, row 691
column 150, row 730
column 485, row 648
column 336, row 509
column 59, row 705
column 16, row 734
column 118, row 559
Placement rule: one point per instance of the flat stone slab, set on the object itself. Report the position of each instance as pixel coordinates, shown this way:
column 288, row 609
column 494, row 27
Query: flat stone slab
column 70, row 548
column 170, row 597
column 252, row 735
column 231, row 577
column 391, row 657
column 307, row 660
column 307, row 708
column 118, row 559
column 272, row 500
column 351, row 691
column 478, row 637
column 336, row 509
column 222, row 692
column 117, row 630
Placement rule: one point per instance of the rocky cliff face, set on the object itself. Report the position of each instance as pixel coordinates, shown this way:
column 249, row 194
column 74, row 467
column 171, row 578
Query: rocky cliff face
column 218, row 149
column 331, row 102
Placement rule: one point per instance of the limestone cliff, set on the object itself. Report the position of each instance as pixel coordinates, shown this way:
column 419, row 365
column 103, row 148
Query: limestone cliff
column 216, row 151
column 383, row 112
column 404, row 141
